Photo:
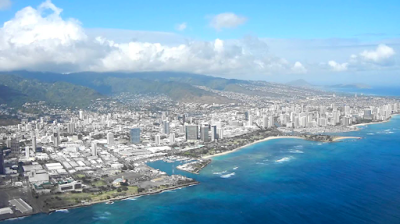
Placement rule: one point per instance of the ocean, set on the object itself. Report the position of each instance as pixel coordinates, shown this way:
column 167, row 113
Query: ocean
column 374, row 91
column 278, row 181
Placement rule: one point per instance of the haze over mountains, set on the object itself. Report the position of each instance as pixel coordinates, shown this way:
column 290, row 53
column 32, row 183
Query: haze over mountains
column 78, row 89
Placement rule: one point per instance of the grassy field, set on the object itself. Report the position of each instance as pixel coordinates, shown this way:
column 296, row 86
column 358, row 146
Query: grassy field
column 69, row 199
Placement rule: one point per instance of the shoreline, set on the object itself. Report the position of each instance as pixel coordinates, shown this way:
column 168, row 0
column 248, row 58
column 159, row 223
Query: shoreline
column 336, row 139
column 241, row 147
column 375, row 122
column 120, row 198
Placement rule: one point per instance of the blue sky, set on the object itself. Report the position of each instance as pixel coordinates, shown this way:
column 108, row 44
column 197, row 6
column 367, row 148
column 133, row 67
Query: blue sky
column 273, row 19
column 304, row 37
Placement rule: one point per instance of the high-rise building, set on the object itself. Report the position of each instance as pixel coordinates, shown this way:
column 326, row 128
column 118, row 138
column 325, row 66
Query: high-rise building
column 204, row 133
column 157, row 139
column 71, row 128
column 55, row 141
column 110, row 138
column 368, row 114
column 2, row 169
column 27, row 155
column 192, row 132
column 165, row 127
column 135, row 135
column 250, row 118
column 265, row 122
column 33, row 141
column 14, row 146
column 246, row 115
column 81, row 115
column 93, row 149
column 214, row 134
column 172, row 138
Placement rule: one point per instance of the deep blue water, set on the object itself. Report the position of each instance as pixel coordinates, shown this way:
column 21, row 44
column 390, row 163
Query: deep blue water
column 354, row 181
column 375, row 91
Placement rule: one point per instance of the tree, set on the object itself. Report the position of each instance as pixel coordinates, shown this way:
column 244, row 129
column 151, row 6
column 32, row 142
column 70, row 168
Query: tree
column 119, row 189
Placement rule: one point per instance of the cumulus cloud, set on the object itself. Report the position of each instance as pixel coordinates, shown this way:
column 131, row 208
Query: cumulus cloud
column 181, row 27
column 40, row 39
column 299, row 68
column 379, row 58
column 337, row 66
column 381, row 53
column 5, row 4
column 34, row 40
column 226, row 20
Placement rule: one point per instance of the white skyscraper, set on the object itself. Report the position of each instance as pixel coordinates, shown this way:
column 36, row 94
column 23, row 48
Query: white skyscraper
column 33, row 142
column 80, row 115
column 94, row 149
column 250, row 120
column 172, row 138
column 110, row 138
column 265, row 122
column 27, row 152
column 157, row 139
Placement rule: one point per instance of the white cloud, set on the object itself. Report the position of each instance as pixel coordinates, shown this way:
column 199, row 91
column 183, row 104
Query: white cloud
column 227, row 20
column 381, row 53
column 181, row 27
column 5, row 4
column 40, row 39
column 337, row 66
column 377, row 59
column 34, row 40
column 299, row 68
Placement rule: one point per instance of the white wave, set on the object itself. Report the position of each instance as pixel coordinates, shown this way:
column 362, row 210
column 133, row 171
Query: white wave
column 219, row 173
column 298, row 147
column 132, row 198
column 235, row 168
column 18, row 218
column 284, row 159
column 62, row 210
column 100, row 218
column 296, row 151
column 370, row 134
column 260, row 163
column 228, row 175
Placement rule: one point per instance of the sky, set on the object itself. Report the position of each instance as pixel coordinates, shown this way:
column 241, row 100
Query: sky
column 323, row 42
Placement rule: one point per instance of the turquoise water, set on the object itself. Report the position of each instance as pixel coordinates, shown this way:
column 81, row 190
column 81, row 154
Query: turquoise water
column 278, row 181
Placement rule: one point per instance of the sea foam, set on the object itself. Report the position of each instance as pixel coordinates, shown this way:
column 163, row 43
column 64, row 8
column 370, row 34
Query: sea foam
column 284, row 159
column 228, row 175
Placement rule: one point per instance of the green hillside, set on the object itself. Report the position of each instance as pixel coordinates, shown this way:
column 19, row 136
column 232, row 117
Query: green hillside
column 15, row 91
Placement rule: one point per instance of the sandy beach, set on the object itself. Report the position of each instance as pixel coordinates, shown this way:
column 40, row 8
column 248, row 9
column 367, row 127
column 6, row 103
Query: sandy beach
column 377, row 122
column 262, row 140
column 344, row 137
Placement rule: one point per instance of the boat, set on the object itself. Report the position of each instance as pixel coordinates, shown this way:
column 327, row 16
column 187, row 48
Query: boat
column 109, row 202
